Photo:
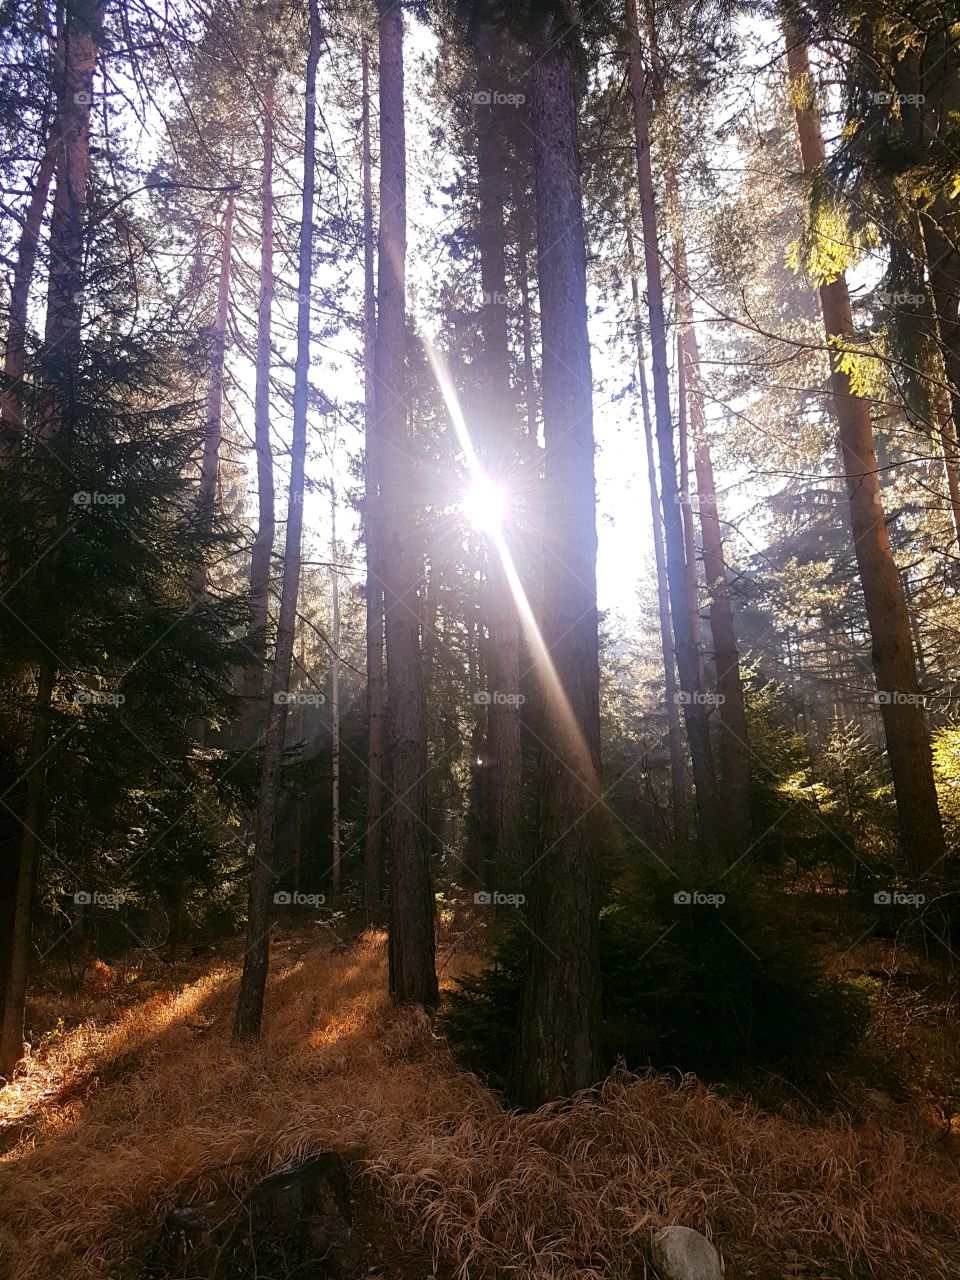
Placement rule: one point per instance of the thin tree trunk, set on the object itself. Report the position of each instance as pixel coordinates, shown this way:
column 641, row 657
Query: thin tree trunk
column 692, row 582
column 413, row 977
column 15, row 352
column 943, row 273
column 11, row 1046
column 61, row 359
column 559, row 1046
column 256, row 957
column 213, row 433
column 677, row 773
column 731, row 711
column 691, row 690
column 526, row 329
column 498, row 448
column 372, row 846
column 334, row 702
column 908, row 745
column 252, row 681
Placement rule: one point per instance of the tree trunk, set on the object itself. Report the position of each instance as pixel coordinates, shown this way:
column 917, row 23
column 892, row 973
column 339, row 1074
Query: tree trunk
column 15, row 352
column 213, row 433
column 61, row 359
column 908, row 745
column 498, row 448
column 731, row 711
column 252, row 681
column 678, row 788
column 526, row 329
column 413, row 977
column 692, row 590
column 943, row 273
column 334, row 702
column 256, row 957
column 559, row 1046
column 11, row 1045
column 372, row 847
column 691, row 690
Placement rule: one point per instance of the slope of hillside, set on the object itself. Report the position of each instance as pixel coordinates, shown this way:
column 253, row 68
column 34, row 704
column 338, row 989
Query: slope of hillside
column 119, row 1120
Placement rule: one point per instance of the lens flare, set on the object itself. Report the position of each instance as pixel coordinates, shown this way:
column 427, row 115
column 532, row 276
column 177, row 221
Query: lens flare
column 485, row 504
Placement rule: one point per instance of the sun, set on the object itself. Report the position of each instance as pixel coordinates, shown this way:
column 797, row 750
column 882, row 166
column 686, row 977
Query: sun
column 485, row 504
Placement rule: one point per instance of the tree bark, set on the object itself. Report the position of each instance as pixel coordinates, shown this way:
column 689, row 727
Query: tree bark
column 11, row 1044
column 256, row 957
column 14, row 359
column 731, row 710
column 334, row 703
column 213, row 433
column 413, row 977
column 498, row 447
column 678, row 788
column 372, row 845
column 61, row 359
column 559, row 1048
column 252, row 681
column 691, row 685
column 908, row 745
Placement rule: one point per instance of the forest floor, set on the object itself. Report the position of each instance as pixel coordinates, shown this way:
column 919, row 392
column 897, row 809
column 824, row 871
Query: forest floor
column 135, row 1102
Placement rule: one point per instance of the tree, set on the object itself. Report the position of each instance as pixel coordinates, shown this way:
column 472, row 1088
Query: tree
column 560, row 1008
column 262, row 551
column 908, row 744
column 62, row 356
column 691, row 685
column 413, row 977
column 256, row 956
column 372, row 510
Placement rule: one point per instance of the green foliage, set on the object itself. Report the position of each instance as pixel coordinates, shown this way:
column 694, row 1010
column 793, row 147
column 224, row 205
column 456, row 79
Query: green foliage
column 712, row 985
column 946, row 769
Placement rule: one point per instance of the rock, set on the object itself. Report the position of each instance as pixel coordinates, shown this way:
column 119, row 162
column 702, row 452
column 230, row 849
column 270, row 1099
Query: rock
column 303, row 1212
column 680, row 1253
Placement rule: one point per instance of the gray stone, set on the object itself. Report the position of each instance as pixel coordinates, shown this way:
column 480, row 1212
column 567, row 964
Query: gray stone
column 680, row 1253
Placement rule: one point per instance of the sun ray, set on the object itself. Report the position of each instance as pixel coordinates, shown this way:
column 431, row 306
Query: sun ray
column 580, row 758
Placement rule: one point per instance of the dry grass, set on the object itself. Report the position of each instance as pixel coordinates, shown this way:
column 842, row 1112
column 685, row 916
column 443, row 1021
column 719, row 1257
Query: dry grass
column 573, row 1190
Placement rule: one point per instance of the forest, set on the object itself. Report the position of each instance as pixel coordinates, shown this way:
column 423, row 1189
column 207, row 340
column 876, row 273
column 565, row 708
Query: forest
column 479, row 619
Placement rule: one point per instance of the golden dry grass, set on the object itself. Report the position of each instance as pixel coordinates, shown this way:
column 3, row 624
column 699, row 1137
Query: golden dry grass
column 177, row 1112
